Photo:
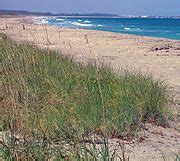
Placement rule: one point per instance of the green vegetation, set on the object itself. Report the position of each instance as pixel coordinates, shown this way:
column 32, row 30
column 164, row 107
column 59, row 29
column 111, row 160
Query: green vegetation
column 56, row 105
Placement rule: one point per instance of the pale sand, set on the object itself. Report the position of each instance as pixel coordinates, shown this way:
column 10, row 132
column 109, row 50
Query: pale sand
column 161, row 57
column 119, row 50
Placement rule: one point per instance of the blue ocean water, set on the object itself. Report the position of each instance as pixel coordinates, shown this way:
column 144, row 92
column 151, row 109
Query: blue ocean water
column 153, row 27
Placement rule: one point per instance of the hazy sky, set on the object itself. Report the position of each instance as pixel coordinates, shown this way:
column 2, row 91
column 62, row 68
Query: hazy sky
column 121, row 7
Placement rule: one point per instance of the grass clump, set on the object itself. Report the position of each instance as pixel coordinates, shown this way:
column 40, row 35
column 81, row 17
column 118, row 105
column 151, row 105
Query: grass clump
column 50, row 98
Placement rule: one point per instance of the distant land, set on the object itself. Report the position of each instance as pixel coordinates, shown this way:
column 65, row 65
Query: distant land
column 21, row 12
column 30, row 13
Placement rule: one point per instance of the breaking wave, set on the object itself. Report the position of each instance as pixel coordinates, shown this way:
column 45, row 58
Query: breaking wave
column 131, row 29
column 87, row 21
column 166, row 28
column 81, row 24
column 59, row 19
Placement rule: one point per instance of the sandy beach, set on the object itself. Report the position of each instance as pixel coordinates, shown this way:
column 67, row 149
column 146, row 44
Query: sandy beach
column 160, row 57
column 157, row 56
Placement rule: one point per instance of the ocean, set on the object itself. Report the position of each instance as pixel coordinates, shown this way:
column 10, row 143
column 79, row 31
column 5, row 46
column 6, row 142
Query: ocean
column 153, row 27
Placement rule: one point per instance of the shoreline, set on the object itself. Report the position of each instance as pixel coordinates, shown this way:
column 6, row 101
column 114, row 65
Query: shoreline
column 133, row 52
column 43, row 20
column 37, row 21
column 157, row 56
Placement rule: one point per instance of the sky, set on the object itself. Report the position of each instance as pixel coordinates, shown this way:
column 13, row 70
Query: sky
column 121, row 7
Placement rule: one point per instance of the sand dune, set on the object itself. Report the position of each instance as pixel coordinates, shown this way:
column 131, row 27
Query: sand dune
column 160, row 57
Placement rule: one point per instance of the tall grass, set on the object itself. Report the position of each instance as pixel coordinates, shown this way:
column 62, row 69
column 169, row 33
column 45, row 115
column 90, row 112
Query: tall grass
column 52, row 102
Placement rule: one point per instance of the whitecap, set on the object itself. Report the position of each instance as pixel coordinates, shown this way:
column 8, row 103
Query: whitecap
column 44, row 21
column 59, row 19
column 87, row 21
column 36, row 18
column 41, row 21
column 81, row 24
column 127, row 28
column 131, row 29
column 79, row 20
column 99, row 25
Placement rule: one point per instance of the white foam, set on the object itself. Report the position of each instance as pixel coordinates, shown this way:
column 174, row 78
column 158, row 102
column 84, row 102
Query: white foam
column 131, row 29
column 79, row 20
column 81, row 24
column 127, row 28
column 40, row 20
column 87, row 21
column 44, row 21
column 99, row 25
column 59, row 19
column 35, row 18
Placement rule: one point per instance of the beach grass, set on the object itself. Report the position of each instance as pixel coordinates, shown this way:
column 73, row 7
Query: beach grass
column 50, row 100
